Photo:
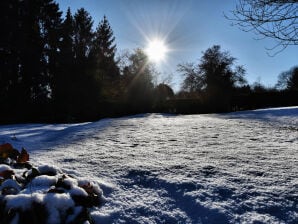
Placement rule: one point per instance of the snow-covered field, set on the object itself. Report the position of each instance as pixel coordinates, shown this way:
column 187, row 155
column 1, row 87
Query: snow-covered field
column 153, row 168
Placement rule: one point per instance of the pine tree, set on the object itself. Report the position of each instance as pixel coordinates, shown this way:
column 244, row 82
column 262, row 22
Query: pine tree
column 51, row 25
column 105, row 49
column 29, row 44
column 9, row 56
column 33, row 78
column 61, row 84
column 83, row 34
column 85, row 87
column 67, row 34
column 39, row 49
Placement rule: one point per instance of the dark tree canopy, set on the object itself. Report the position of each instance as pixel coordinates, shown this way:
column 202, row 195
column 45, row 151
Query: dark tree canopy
column 269, row 18
column 288, row 80
column 215, row 72
column 138, row 76
column 29, row 44
column 55, row 69
column 60, row 83
column 215, row 78
column 104, row 41
column 105, row 50
column 83, row 34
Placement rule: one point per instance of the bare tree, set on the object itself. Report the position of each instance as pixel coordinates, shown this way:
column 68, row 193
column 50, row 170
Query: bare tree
column 276, row 19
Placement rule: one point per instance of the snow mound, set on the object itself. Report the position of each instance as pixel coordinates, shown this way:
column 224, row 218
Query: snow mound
column 43, row 194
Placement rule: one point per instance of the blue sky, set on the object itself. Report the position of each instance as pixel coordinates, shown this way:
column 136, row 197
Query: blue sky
column 189, row 28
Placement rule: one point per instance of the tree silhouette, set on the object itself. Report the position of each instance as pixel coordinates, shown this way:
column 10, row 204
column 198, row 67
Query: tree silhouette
column 29, row 49
column 215, row 76
column 269, row 18
column 288, row 80
column 50, row 32
column 138, row 76
column 192, row 82
column 104, row 50
column 9, row 53
column 162, row 94
column 83, row 34
column 62, row 79
column 84, row 86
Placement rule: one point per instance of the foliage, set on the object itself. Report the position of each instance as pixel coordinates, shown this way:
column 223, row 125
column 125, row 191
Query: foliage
column 288, row 80
column 215, row 72
column 28, row 51
column 138, row 82
column 60, row 82
column 105, row 49
column 215, row 77
column 192, row 82
column 55, row 69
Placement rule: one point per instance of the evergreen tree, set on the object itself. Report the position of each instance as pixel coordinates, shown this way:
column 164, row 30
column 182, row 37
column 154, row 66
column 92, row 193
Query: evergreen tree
column 39, row 51
column 9, row 56
column 51, row 24
column 83, row 35
column 62, row 79
column 85, row 87
column 105, row 49
column 29, row 51
column 33, row 78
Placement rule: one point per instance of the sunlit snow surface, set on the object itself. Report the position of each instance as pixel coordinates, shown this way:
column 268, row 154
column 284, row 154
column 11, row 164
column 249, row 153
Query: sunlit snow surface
column 229, row 168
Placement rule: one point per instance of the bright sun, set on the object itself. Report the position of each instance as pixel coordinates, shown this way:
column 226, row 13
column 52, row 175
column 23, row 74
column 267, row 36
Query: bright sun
column 156, row 50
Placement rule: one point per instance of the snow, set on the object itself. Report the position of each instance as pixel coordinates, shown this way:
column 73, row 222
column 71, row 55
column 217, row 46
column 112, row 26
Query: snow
column 156, row 168
column 57, row 205
column 44, row 181
column 22, row 201
column 4, row 167
column 44, row 169
column 77, row 191
column 56, row 196
column 10, row 183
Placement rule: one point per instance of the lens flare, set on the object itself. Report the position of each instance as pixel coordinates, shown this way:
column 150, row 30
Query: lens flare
column 156, row 50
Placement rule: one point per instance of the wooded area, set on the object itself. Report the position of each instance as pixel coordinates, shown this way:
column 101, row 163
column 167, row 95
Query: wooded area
column 55, row 69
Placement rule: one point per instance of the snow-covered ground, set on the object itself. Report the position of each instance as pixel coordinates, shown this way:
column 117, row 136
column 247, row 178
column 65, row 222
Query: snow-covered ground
column 153, row 168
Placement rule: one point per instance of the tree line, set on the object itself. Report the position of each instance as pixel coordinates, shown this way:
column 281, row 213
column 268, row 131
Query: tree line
column 217, row 84
column 59, row 69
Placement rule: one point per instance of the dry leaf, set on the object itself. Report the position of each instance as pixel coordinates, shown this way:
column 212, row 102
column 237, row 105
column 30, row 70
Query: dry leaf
column 6, row 174
column 7, row 151
column 23, row 157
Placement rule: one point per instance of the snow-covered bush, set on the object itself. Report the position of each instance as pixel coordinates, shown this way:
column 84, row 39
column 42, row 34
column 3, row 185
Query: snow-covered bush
column 42, row 194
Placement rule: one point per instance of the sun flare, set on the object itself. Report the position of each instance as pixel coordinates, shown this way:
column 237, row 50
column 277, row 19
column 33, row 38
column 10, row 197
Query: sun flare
column 156, row 50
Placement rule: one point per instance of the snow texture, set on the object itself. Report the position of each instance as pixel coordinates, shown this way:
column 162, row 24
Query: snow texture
column 60, row 197
column 156, row 168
